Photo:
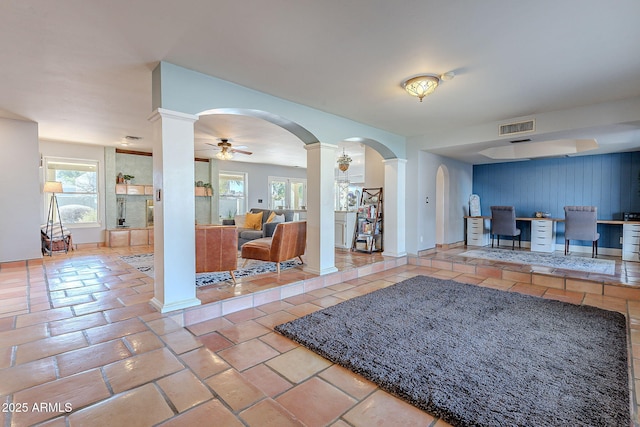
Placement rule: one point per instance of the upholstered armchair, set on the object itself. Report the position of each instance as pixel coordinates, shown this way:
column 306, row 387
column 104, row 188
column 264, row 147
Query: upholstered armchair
column 503, row 223
column 289, row 241
column 581, row 223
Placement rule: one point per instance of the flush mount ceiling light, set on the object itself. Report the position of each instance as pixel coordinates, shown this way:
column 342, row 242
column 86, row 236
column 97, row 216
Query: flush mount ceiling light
column 422, row 86
column 130, row 139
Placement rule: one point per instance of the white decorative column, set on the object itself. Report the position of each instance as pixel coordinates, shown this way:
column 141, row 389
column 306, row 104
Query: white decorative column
column 395, row 174
column 320, row 254
column 174, row 211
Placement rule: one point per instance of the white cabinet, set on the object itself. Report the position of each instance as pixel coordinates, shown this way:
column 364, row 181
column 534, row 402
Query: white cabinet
column 345, row 222
column 477, row 232
column 631, row 242
column 543, row 235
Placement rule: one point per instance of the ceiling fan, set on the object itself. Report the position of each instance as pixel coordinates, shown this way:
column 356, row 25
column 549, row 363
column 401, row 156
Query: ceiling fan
column 227, row 149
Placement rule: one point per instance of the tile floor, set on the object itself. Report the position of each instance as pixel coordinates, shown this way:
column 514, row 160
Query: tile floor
column 80, row 345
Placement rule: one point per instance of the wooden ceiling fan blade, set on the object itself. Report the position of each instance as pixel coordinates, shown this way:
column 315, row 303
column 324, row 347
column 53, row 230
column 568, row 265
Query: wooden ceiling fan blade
column 241, row 151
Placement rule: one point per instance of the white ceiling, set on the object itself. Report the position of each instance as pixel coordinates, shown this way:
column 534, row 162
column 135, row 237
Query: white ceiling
column 82, row 69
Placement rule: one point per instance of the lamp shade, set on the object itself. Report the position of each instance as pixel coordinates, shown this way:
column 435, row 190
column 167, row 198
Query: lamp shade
column 52, row 187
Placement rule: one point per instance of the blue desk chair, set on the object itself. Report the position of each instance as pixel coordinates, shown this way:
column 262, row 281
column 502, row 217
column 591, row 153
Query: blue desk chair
column 503, row 223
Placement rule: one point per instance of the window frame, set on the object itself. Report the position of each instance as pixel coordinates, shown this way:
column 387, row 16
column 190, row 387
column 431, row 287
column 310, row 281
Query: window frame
column 97, row 194
column 245, row 195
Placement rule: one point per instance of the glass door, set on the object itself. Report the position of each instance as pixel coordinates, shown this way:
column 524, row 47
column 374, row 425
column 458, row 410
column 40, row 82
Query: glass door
column 287, row 193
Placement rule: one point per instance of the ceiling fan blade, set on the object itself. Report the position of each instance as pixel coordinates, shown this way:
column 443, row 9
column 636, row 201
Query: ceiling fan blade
column 233, row 150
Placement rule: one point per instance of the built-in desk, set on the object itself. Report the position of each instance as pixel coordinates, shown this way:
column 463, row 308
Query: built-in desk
column 477, row 231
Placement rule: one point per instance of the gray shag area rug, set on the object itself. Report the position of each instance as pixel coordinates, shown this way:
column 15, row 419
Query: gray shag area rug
column 476, row 356
column 144, row 263
column 565, row 262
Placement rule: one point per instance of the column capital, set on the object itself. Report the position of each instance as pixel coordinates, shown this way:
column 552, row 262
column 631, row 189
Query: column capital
column 319, row 145
column 395, row 160
column 169, row 114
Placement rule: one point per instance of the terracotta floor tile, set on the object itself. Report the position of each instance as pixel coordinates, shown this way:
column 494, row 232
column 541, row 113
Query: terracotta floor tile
column 123, row 313
column 316, row 402
column 269, row 413
column 5, row 357
column 304, row 309
column 383, row 409
column 277, row 318
column 214, row 341
column 27, row 375
column 41, row 317
column 91, row 357
column 267, row 380
column 352, row 384
column 77, row 391
column 181, row 341
column 298, row 364
column 184, row 390
column 243, row 331
column 23, row 335
column 138, row 407
column 6, row 324
column 247, row 354
column 234, row 389
column 244, row 315
column 204, row 415
column 275, row 306
column 209, row 326
column 163, row 326
column 50, row 346
column 280, row 343
column 93, row 307
column 115, row 330
column 204, row 362
column 79, row 323
column 143, row 342
column 134, row 371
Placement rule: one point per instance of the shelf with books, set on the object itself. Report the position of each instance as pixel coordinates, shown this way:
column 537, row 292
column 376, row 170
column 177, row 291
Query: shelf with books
column 368, row 232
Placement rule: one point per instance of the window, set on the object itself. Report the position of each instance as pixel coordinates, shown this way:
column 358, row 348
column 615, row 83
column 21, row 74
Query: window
column 287, row 193
column 79, row 200
column 232, row 199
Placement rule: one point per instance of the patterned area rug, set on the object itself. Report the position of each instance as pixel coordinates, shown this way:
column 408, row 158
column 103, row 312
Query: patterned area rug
column 591, row 265
column 144, row 263
column 476, row 356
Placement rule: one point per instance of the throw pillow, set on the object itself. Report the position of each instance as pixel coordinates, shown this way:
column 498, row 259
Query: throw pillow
column 278, row 218
column 253, row 220
column 271, row 216
column 239, row 221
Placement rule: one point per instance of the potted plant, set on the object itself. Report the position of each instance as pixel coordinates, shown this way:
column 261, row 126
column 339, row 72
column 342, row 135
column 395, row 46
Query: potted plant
column 128, row 178
column 230, row 219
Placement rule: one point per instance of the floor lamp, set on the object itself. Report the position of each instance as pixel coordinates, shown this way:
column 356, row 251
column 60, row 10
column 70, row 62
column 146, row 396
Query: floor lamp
column 54, row 187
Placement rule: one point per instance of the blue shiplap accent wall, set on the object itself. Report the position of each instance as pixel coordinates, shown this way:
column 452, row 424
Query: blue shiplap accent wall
column 608, row 181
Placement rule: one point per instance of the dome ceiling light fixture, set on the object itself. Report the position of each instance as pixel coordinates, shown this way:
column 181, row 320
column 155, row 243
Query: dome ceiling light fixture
column 426, row 84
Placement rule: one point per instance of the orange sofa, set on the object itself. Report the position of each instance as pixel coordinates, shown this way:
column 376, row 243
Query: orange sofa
column 288, row 241
column 216, row 249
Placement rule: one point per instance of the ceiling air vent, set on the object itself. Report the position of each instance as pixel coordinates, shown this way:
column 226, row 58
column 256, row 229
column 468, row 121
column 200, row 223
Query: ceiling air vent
column 519, row 127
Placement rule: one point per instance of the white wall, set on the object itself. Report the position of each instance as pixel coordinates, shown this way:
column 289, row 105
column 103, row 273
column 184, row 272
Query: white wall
column 422, row 169
column 258, row 179
column 82, row 233
column 20, row 197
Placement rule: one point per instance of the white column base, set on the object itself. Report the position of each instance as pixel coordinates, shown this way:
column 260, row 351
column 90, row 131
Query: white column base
column 176, row 305
column 394, row 254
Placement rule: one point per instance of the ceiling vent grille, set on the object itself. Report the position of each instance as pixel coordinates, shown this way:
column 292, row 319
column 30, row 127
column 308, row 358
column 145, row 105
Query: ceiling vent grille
column 519, row 127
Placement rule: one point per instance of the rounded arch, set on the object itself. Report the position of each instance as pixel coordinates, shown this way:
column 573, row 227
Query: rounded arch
column 442, row 203
column 303, row 134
